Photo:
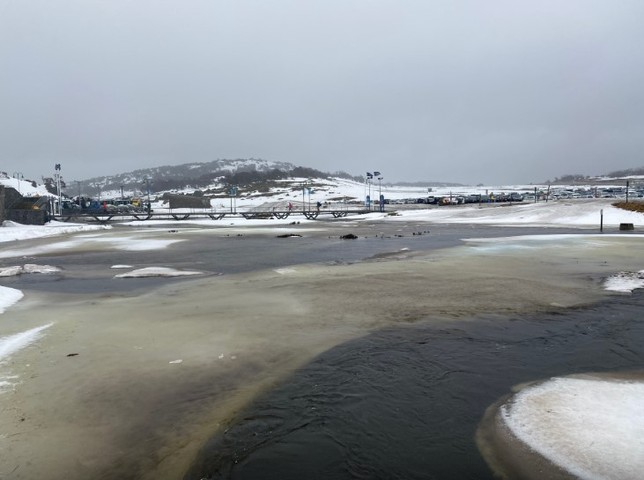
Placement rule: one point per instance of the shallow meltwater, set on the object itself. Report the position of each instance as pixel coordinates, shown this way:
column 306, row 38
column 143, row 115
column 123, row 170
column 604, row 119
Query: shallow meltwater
column 406, row 402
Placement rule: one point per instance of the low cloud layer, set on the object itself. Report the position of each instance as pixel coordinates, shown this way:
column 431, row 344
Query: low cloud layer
column 491, row 92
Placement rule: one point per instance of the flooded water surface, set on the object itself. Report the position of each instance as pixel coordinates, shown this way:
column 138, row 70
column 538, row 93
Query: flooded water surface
column 406, row 402
column 297, row 357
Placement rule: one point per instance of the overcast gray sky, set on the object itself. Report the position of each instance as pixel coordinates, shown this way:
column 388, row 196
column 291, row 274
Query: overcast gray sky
column 504, row 91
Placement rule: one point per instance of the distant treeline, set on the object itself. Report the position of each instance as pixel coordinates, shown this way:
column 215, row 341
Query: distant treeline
column 626, row 173
column 578, row 178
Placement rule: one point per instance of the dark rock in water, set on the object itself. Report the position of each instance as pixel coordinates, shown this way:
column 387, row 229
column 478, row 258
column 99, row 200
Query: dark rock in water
column 349, row 236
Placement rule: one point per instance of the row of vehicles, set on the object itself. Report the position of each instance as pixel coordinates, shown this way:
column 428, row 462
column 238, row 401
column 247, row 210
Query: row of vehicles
column 89, row 205
column 471, row 198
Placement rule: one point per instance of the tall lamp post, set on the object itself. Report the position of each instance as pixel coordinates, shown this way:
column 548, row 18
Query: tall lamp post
column 57, row 175
column 368, row 189
column 305, row 187
column 147, row 184
column 232, row 191
column 381, row 200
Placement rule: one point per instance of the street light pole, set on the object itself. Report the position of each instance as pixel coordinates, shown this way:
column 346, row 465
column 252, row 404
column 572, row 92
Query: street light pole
column 305, row 187
column 147, row 183
column 57, row 173
column 381, row 202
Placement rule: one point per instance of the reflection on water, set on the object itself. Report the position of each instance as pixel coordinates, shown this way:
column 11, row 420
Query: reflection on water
column 406, row 402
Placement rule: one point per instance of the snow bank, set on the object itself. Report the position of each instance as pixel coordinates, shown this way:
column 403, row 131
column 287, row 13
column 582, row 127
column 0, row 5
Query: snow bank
column 11, row 231
column 157, row 272
column 592, row 428
column 9, row 296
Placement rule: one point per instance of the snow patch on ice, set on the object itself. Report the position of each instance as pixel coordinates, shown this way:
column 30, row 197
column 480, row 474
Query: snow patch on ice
column 592, row 428
column 126, row 243
column 157, row 272
column 11, row 344
column 625, row 282
column 14, row 343
column 9, row 296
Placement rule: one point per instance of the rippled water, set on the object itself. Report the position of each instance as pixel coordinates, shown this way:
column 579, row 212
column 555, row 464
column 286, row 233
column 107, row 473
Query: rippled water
column 405, row 402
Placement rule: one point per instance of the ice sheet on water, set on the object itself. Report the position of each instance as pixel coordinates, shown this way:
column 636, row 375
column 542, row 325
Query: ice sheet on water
column 591, row 427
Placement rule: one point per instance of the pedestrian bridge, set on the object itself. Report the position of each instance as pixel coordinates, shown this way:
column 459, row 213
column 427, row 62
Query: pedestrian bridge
column 104, row 216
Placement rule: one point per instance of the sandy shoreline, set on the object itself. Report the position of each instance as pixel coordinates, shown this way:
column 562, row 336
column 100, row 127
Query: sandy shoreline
column 120, row 409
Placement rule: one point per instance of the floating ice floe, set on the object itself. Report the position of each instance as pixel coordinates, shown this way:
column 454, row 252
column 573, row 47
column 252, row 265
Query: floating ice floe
column 591, row 427
column 121, row 267
column 27, row 268
column 285, row 271
column 157, row 272
column 625, row 282
column 9, row 296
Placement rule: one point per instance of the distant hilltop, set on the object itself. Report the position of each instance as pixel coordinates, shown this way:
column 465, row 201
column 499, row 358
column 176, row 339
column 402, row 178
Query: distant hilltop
column 203, row 175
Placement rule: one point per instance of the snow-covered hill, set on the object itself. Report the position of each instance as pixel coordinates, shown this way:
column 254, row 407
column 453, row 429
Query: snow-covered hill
column 188, row 172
